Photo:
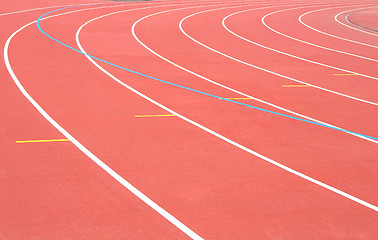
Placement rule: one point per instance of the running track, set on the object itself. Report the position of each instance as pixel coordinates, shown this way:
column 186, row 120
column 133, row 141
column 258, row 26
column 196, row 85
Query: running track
column 202, row 167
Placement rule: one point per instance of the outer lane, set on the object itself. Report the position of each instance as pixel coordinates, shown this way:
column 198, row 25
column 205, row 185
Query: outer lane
column 152, row 88
column 51, row 190
column 220, row 202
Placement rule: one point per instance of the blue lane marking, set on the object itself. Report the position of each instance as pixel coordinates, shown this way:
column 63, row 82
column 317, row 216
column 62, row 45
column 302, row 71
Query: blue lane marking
column 187, row 88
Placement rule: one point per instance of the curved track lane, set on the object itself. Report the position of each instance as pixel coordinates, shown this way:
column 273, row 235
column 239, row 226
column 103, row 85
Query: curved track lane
column 217, row 190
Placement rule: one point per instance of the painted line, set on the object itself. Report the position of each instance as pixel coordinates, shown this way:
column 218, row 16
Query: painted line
column 218, row 84
column 221, row 85
column 277, row 164
column 35, row 9
column 309, row 43
column 263, row 69
column 145, row 116
column 43, row 141
column 296, row 86
column 285, row 53
column 81, row 147
column 328, row 34
column 344, row 74
column 237, row 98
column 346, row 18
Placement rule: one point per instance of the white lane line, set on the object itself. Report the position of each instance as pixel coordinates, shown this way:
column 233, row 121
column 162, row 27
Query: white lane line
column 309, row 43
column 223, row 86
column 266, row 70
column 354, row 28
column 42, row 8
column 81, row 147
column 328, row 34
column 299, row 174
column 83, row 4
column 285, row 53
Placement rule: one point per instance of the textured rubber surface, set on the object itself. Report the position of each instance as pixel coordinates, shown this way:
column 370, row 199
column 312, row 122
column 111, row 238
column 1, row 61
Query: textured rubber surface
column 52, row 190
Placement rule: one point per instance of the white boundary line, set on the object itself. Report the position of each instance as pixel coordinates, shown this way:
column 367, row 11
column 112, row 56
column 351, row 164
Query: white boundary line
column 308, row 43
column 301, row 175
column 60, row 6
column 354, row 28
column 266, row 70
column 81, row 147
column 42, row 8
column 328, row 34
column 223, row 86
column 285, row 53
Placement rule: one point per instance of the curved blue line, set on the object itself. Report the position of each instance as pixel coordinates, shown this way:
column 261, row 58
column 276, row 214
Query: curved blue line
column 187, row 88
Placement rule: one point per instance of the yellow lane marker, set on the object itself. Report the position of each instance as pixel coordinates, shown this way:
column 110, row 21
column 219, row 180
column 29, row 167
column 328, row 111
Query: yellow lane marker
column 237, row 98
column 167, row 115
column 296, row 86
column 41, row 141
column 345, row 74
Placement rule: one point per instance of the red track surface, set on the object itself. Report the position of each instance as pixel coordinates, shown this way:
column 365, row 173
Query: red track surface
column 365, row 19
column 219, row 191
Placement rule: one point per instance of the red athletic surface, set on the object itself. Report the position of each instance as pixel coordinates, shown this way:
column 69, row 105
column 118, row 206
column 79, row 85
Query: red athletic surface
column 366, row 18
column 54, row 191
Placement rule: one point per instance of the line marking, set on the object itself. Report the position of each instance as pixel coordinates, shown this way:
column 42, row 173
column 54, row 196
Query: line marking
column 90, row 155
column 223, row 86
column 344, row 74
column 346, row 18
column 296, row 86
column 328, row 34
column 309, row 43
column 187, row 88
column 34, row 9
column 43, row 141
column 277, row 164
column 166, row 115
column 369, row 138
column 263, row 69
column 238, row 98
column 285, row 53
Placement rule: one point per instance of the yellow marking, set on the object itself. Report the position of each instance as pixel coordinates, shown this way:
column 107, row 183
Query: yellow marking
column 344, row 74
column 296, row 86
column 167, row 115
column 41, row 141
column 237, row 98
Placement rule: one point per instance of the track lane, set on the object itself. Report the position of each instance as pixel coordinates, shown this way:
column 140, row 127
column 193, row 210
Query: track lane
column 154, row 86
column 364, row 19
column 267, row 69
column 345, row 23
column 212, row 216
column 144, row 222
column 245, row 96
column 220, row 216
column 242, row 74
column 313, row 20
column 325, row 43
column 225, row 20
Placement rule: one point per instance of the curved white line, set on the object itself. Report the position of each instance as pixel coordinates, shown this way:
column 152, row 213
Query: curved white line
column 41, row 8
column 81, row 147
column 285, row 53
column 266, row 70
column 354, row 28
column 308, row 43
column 223, row 86
column 301, row 175
column 328, row 34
